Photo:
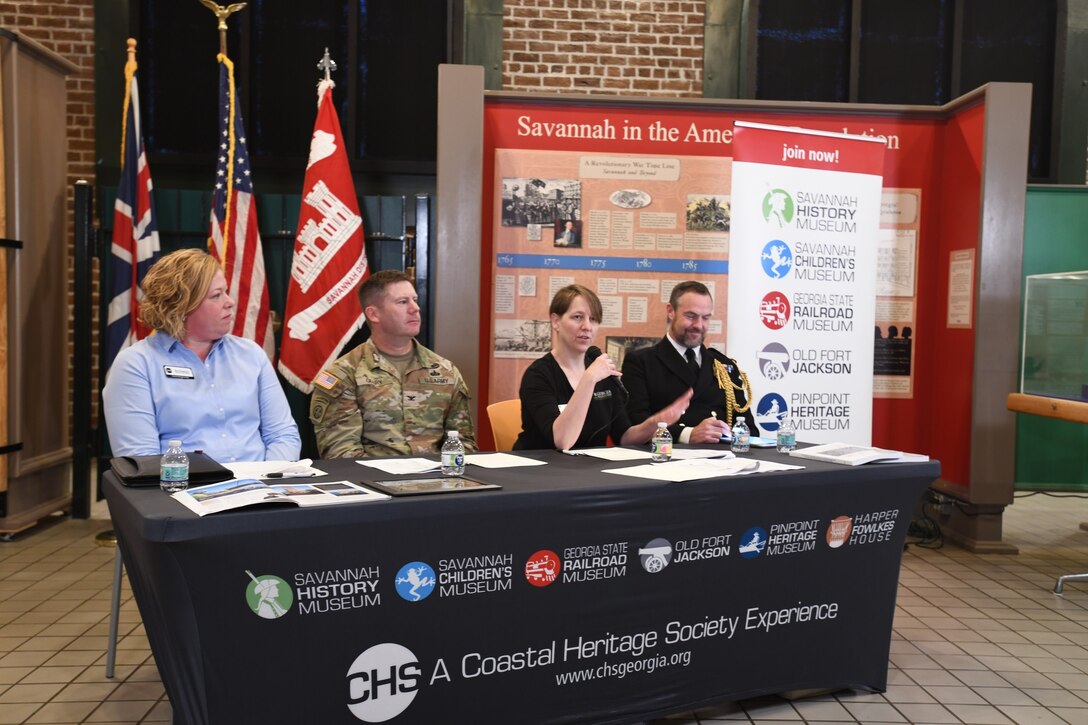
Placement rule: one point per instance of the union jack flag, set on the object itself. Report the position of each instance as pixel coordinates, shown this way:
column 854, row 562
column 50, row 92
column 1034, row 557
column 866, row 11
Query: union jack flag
column 234, row 239
column 135, row 233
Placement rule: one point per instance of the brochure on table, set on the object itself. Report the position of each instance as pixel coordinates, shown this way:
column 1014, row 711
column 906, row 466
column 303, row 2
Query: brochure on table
column 240, row 492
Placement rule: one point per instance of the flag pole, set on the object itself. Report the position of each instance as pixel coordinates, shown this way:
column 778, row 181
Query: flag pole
column 221, row 14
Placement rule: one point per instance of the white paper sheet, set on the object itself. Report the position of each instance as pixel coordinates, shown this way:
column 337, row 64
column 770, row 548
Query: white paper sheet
column 501, row 460
column 397, row 466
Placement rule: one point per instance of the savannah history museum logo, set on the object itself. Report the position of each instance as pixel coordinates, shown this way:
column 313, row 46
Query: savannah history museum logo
column 382, row 682
column 778, row 208
column 269, row 597
column 542, row 568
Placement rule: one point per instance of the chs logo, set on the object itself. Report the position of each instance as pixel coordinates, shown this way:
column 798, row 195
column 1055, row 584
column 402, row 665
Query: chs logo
column 543, row 568
column 269, row 596
column 382, row 682
column 778, row 207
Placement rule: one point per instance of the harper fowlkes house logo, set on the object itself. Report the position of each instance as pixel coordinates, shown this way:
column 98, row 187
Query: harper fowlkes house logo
column 382, row 682
column 415, row 581
column 268, row 596
column 873, row 527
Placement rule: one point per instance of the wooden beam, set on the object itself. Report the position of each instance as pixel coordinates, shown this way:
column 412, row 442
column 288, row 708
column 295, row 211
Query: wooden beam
column 1060, row 408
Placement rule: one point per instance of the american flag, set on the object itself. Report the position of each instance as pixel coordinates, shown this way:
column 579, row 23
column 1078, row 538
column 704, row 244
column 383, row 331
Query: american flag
column 234, row 238
column 135, row 234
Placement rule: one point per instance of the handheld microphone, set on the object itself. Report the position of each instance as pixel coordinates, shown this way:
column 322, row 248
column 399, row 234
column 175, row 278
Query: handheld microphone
column 592, row 353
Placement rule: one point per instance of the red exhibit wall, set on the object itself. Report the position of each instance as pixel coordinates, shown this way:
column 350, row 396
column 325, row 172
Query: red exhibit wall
column 926, row 150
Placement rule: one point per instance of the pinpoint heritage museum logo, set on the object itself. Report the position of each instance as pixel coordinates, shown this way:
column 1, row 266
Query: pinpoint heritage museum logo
column 382, row 682
column 656, row 555
column 542, row 568
column 269, row 596
column 778, row 208
column 415, row 581
column 753, row 542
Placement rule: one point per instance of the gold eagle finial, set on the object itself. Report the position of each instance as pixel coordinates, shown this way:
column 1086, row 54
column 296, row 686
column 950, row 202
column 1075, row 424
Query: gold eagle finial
column 222, row 12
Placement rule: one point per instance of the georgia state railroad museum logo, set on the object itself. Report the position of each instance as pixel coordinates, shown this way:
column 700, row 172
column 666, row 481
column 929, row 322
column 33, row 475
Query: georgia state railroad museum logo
column 542, row 568
column 778, row 207
column 269, row 596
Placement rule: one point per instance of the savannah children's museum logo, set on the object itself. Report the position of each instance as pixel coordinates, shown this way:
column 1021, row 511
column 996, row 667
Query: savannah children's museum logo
column 382, row 682
column 656, row 555
column 542, row 568
column 776, row 258
column 269, row 596
column 778, row 207
column 415, row 581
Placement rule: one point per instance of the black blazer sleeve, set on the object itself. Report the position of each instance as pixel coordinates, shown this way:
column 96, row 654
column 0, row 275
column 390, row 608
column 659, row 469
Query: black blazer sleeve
column 637, row 384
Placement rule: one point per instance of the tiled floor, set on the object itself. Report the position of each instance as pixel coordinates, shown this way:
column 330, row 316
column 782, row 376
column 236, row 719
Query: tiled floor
column 978, row 639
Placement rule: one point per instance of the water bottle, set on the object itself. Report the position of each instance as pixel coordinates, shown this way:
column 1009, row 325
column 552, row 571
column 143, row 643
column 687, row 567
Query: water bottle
column 661, row 444
column 453, row 455
column 174, row 469
column 741, row 435
column 786, row 438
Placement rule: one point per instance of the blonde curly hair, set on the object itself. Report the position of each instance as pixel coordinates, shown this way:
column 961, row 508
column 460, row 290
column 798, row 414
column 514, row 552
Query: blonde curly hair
column 174, row 287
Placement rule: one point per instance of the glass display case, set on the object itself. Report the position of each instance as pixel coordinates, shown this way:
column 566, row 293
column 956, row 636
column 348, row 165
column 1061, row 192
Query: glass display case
column 1054, row 359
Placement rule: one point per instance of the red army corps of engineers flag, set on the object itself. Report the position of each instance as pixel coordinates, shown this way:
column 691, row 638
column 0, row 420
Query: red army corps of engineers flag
column 323, row 309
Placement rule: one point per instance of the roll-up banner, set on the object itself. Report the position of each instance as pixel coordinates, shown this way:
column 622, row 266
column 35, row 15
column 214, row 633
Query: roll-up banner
column 803, row 270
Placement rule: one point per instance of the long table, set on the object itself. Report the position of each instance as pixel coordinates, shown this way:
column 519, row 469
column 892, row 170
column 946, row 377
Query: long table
column 569, row 596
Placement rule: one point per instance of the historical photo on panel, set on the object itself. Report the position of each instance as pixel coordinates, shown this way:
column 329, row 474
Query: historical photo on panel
column 527, row 200
column 708, row 213
column 527, row 339
column 618, row 346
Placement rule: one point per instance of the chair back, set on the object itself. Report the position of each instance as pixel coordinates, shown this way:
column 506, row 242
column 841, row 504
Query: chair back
column 505, row 418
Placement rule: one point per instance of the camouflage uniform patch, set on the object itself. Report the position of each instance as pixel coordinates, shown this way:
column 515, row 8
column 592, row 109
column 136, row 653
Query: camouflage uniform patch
column 374, row 414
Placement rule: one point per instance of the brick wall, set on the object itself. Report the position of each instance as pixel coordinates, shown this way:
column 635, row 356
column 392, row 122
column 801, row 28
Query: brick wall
column 623, row 47
column 67, row 28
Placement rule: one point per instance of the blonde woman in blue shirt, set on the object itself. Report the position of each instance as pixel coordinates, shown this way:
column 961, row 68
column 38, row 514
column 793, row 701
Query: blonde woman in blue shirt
column 193, row 380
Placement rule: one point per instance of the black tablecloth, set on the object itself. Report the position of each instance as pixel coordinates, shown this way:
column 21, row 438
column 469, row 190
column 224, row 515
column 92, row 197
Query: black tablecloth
column 444, row 608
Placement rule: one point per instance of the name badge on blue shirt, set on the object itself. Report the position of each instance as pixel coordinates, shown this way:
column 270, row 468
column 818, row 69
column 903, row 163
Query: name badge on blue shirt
column 174, row 371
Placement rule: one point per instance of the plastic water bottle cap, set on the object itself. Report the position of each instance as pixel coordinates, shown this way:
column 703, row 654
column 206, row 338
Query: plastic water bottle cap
column 452, row 434
column 662, row 424
column 174, row 443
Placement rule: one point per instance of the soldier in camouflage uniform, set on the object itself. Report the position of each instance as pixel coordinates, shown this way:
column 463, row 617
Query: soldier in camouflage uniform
column 389, row 396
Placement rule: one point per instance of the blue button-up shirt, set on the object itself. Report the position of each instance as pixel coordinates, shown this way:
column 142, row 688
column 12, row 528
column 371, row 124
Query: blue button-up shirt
column 230, row 406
